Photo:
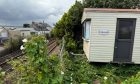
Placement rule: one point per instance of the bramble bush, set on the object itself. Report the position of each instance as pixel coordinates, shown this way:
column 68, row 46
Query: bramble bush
column 37, row 67
column 78, row 70
column 2, row 76
column 133, row 80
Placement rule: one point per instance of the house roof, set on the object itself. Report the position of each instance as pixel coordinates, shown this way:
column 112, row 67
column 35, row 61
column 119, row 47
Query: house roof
column 38, row 26
column 25, row 29
column 111, row 10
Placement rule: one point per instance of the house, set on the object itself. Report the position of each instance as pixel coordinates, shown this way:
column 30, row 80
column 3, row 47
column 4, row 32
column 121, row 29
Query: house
column 41, row 28
column 3, row 35
column 14, row 34
column 111, row 35
column 26, row 32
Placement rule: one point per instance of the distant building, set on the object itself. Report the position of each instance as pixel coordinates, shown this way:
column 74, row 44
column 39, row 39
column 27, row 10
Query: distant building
column 26, row 32
column 3, row 32
column 36, row 28
column 41, row 28
column 3, row 35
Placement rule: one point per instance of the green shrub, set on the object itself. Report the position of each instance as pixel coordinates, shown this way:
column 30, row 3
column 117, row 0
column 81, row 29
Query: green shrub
column 13, row 44
column 2, row 76
column 133, row 79
column 37, row 67
column 77, row 70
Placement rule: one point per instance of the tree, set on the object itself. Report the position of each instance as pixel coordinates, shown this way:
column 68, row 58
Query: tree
column 112, row 3
column 70, row 24
column 26, row 25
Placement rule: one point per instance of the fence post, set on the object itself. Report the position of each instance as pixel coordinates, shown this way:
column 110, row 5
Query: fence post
column 61, row 51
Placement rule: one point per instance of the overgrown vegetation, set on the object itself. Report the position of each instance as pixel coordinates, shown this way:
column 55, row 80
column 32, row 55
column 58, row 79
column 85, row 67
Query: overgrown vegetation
column 133, row 80
column 78, row 70
column 10, row 46
column 70, row 27
column 39, row 68
column 13, row 44
column 36, row 67
column 2, row 75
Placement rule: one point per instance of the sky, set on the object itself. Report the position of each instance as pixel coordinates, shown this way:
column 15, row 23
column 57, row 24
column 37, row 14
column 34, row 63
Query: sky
column 18, row 12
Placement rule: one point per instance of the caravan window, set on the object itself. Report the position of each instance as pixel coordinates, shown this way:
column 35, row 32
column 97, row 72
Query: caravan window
column 86, row 29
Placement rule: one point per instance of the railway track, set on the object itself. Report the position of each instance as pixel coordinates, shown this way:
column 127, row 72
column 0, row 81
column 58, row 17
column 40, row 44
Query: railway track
column 5, row 59
column 51, row 46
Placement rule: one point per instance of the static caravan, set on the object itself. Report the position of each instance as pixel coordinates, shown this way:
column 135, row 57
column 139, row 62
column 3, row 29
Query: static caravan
column 111, row 35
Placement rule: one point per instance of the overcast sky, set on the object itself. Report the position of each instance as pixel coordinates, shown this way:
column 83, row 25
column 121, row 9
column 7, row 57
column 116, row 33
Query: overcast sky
column 17, row 12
